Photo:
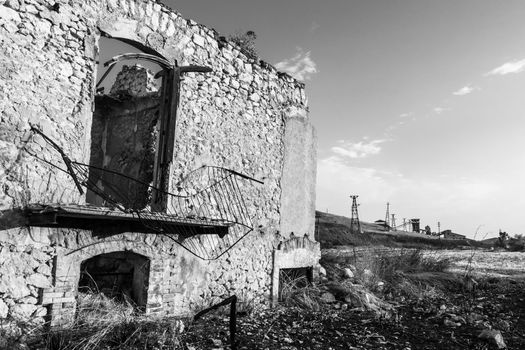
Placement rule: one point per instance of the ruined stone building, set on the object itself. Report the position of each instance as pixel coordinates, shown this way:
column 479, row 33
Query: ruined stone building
column 99, row 181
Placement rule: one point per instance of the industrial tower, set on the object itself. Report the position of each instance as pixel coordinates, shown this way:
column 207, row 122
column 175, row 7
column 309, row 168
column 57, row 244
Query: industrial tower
column 355, row 226
column 393, row 222
column 387, row 217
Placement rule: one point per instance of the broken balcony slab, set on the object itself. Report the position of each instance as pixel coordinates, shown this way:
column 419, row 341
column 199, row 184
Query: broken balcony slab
column 95, row 217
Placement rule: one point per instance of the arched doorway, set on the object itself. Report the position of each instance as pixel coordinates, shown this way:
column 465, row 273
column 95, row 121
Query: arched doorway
column 122, row 276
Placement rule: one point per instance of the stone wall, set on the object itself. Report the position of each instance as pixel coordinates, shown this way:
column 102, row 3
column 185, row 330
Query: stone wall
column 243, row 116
column 134, row 80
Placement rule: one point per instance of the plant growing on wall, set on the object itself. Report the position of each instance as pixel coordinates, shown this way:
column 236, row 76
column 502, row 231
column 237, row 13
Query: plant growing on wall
column 246, row 41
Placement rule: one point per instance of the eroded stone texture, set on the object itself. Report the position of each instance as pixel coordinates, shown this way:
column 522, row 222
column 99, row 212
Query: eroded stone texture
column 244, row 115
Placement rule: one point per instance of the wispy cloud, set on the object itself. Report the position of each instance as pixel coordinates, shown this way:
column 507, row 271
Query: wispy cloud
column 314, row 26
column 439, row 110
column 361, row 149
column 301, row 66
column 508, row 68
column 465, row 90
column 406, row 115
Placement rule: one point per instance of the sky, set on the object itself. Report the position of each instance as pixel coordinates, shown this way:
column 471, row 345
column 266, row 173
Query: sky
column 419, row 103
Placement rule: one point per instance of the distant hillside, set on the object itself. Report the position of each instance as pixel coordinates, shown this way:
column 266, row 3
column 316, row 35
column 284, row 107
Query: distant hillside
column 333, row 230
column 512, row 244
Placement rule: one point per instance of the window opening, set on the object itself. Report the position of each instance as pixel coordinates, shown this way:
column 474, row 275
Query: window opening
column 126, row 122
column 133, row 130
column 293, row 279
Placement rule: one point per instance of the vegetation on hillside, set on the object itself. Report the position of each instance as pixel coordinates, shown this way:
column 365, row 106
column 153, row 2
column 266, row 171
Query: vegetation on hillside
column 333, row 230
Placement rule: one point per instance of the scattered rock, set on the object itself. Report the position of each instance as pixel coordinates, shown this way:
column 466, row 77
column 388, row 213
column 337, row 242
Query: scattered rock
column 503, row 325
column 322, row 271
column 328, row 297
column 380, row 286
column 216, row 342
column 449, row 323
column 348, row 273
column 493, row 336
column 4, row 309
column 474, row 318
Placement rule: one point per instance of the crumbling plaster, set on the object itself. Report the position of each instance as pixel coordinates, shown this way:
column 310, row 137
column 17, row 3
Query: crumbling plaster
column 244, row 115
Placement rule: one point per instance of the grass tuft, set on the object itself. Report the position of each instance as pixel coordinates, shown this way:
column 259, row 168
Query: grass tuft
column 103, row 323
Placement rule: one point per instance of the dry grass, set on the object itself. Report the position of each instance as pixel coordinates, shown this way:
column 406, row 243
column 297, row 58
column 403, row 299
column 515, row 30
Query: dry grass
column 408, row 272
column 103, row 323
column 298, row 291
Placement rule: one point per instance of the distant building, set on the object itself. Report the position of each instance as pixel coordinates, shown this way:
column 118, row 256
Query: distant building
column 382, row 223
column 448, row 234
column 415, row 225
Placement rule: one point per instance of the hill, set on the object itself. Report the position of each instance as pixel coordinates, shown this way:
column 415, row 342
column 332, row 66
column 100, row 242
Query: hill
column 334, row 230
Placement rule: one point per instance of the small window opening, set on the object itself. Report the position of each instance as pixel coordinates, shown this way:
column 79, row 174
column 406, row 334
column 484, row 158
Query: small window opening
column 292, row 280
column 120, row 276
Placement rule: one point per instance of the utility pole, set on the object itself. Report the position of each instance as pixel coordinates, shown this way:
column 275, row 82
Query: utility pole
column 439, row 228
column 387, row 216
column 393, row 222
column 355, row 225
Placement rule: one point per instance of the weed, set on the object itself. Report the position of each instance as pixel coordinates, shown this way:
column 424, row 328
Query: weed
column 246, row 41
column 296, row 290
column 103, row 323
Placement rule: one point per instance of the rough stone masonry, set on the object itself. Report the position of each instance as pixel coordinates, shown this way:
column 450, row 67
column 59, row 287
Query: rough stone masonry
column 244, row 115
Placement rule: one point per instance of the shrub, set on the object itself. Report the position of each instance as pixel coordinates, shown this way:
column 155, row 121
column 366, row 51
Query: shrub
column 246, row 42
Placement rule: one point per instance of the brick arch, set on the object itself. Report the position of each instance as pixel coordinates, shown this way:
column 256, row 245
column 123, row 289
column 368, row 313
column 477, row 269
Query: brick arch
column 61, row 298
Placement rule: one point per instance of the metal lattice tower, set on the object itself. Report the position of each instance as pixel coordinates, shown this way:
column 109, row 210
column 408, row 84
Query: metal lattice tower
column 355, row 225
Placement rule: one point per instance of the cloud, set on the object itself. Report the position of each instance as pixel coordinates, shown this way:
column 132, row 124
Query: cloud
column 301, row 66
column 361, row 149
column 508, row 67
column 406, row 115
column 439, row 110
column 314, row 26
column 465, row 90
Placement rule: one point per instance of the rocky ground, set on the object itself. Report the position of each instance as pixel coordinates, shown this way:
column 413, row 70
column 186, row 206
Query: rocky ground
column 453, row 322
column 457, row 313
column 393, row 300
